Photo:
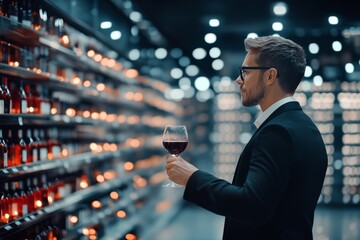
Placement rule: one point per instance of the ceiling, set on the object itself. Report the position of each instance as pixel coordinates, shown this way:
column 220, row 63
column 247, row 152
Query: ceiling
column 184, row 24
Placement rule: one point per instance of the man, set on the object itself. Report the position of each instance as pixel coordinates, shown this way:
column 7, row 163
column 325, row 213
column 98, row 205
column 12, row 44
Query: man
column 280, row 173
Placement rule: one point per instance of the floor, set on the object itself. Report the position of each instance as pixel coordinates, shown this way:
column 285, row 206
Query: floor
column 193, row 223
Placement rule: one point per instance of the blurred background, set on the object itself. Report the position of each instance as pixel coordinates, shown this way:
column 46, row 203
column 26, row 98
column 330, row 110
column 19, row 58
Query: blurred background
column 109, row 75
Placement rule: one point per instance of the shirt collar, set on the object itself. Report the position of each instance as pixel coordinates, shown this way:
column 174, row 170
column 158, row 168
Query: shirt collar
column 264, row 115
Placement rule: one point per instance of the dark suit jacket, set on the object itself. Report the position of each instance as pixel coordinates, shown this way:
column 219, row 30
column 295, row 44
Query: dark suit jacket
column 277, row 181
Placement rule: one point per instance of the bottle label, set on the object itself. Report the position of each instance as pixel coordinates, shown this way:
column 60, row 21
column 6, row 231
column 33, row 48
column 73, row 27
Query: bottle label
column 56, row 151
column 25, row 209
column 14, row 18
column 26, row 23
column 45, row 108
column 10, row 106
column 14, row 208
column 23, row 155
column 35, row 155
column 2, row 110
column 43, row 154
column 6, row 164
column 23, row 106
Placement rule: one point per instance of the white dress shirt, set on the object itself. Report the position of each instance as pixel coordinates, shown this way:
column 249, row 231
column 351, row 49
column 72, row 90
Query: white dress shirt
column 264, row 115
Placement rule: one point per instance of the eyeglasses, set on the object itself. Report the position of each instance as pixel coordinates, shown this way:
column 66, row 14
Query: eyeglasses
column 243, row 70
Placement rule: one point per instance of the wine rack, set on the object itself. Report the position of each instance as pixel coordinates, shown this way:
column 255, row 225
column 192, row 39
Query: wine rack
column 81, row 142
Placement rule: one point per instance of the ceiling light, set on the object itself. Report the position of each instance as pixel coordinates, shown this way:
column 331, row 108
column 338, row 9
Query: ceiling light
column 308, row 71
column 176, row 73
column 215, row 52
column 134, row 54
column 318, row 80
column 202, row 83
column 105, row 25
column 217, row 64
column 313, row 48
column 349, row 67
column 185, row 83
column 199, row 53
column 333, row 20
column 337, row 46
column 277, row 26
column 160, row 53
column 192, row 70
column 252, row 35
column 214, row 22
column 280, row 9
column 210, row 38
column 115, row 35
column 135, row 16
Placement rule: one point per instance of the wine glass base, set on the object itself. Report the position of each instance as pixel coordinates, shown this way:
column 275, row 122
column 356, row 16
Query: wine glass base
column 172, row 185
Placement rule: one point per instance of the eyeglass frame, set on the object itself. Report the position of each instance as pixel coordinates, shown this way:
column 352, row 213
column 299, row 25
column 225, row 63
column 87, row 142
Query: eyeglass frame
column 251, row 68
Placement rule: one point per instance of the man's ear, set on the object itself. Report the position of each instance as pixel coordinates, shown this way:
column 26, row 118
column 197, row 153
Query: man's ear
column 272, row 75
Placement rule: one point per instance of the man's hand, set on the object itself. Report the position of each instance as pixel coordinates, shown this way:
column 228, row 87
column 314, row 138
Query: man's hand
column 179, row 170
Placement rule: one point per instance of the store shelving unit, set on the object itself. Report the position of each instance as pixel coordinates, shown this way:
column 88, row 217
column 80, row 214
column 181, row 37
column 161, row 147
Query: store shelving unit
column 118, row 136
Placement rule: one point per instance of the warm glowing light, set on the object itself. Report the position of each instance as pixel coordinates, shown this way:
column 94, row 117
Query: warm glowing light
column 100, row 87
column 84, row 184
column 76, row 81
column 70, row 112
column 87, row 83
column 97, row 57
column 100, row 178
column 30, row 109
column 130, row 236
column 86, row 114
column 92, row 231
column 38, row 203
column 104, row 61
column 14, row 64
column 133, row 120
column 131, row 73
column 109, row 175
column 110, row 117
column 96, row 204
column 53, row 111
column 103, row 115
column 121, row 214
column 91, row 53
column 113, row 147
column 134, row 143
column 93, row 146
column 50, row 199
column 106, row 146
column 138, row 97
column 65, row 39
column 85, row 231
column 129, row 95
column 128, row 166
column 95, row 115
column 121, row 118
column 111, row 63
column 64, row 152
column 74, row 219
column 114, row 195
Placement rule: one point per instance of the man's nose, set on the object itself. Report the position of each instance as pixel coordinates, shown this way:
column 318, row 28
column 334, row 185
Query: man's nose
column 239, row 80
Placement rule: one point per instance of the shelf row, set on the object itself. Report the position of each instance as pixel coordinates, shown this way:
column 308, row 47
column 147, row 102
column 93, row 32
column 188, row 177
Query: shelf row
column 73, row 202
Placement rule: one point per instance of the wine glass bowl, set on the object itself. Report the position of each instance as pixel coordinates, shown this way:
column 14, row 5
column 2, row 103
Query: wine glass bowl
column 175, row 140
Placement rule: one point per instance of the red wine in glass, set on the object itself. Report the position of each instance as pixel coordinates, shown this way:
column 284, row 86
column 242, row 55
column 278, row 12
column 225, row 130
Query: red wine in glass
column 175, row 148
column 175, row 140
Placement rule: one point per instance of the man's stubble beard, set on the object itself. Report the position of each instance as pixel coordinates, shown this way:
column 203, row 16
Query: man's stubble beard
column 250, row 101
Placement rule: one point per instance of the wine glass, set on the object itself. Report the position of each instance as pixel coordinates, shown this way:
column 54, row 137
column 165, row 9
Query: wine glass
column 175, row 140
